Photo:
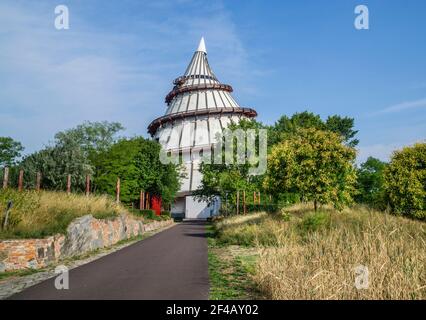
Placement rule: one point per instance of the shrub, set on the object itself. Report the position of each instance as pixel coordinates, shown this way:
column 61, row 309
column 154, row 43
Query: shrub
column 405, row 181
column 314, row 221
column 150, row 214
column 166, row 213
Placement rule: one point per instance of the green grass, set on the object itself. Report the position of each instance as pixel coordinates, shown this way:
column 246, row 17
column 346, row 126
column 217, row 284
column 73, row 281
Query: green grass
column 149, row 215
column 18, row 273
column 229, row 277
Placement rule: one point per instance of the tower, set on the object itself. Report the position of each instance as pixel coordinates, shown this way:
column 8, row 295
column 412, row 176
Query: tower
column 198, row 107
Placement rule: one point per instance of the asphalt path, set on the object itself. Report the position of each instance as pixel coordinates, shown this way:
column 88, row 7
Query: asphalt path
column 170, row 265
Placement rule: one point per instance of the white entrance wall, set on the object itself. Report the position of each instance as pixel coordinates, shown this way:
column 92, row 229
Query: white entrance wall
column 200, row 210
column 178, row 208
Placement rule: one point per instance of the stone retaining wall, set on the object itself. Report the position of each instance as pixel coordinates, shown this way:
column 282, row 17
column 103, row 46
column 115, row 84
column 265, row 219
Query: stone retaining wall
column 83, row 235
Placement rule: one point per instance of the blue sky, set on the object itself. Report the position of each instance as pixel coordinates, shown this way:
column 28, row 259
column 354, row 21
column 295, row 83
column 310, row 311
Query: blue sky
column 118, row 59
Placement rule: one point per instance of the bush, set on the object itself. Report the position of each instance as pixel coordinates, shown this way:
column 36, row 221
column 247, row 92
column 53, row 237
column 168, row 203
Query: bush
column 314, row 221
column 149, row 214
column 405, row 181
column 166, row 213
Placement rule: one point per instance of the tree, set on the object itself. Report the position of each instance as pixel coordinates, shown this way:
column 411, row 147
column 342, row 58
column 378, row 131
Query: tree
column 370, row 183
column 55, row 163
column 225, row 179
column 74, row 151
column 137, row 163
column 405, row 181
column 92, row 137
column 9, row 151
column 287, row 126
column 315, row 164
column 344, row 127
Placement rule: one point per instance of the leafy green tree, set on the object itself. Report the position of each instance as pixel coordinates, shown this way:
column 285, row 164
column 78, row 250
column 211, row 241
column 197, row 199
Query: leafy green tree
column 74, row 151
column 286, row 126
column 370, row 183
column 225, row 179
column 344, row 127
column 55, row 163
column 9, row 151
column 136, row 162
column 315, row 164
column 405, row 181
column 92, row 137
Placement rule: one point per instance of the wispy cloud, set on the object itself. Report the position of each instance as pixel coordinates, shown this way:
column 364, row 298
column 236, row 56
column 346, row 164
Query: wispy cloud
column 52, row 80
column 406, row 105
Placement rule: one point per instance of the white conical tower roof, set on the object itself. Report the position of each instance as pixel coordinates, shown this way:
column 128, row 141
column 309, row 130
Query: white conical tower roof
column 202, row 46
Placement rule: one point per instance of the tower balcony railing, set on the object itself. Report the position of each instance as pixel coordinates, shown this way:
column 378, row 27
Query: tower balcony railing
column 247, row 112
column 197, row 87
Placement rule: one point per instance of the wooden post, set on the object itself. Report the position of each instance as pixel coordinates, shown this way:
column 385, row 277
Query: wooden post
column 69, row 184
column 238, row 202
column 259, row 198
column 6, row 215
column 254, row 198
column 244, row 202
column 5, row 177
column 117, row 191
column 87, row 185
column 142, row 200
column 38, row 181
column 21, row 180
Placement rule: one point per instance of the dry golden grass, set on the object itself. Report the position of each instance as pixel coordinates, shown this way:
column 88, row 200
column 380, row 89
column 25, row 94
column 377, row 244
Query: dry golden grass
column 37, row 214
column 314, row 256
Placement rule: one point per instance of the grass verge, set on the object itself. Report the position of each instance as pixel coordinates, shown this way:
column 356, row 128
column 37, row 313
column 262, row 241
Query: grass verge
column 229, row 271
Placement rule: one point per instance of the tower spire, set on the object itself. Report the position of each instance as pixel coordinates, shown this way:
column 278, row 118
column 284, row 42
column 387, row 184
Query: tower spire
column 202, row 46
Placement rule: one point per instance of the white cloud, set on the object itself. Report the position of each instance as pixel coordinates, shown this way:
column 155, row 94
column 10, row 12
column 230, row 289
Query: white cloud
column 380, row 151
column 420, row 103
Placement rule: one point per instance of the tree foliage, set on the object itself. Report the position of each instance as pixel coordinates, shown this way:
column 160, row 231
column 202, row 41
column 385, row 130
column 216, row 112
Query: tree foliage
column 73, row 152
column 370, row 183
column 405, row 181
column 287, row 126
column 9, row 151
column 136, row 162
column 225, row 179
column 92, row 137
column 55, row 163
column 315, row 164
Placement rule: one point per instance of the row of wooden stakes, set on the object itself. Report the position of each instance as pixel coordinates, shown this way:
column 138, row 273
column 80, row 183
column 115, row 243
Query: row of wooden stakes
column 144, row 201
column 256, row 200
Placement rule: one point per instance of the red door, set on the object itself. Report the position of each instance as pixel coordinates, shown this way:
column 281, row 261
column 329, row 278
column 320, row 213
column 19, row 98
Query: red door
column 156, row 204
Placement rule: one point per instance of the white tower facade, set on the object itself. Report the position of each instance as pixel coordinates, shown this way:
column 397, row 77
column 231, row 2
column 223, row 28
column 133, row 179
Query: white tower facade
column 198, row 107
